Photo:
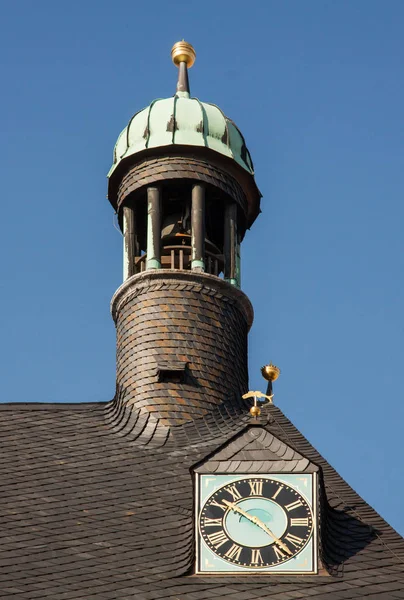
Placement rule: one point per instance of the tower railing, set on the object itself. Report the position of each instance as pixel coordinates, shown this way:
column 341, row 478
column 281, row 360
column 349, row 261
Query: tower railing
column 179, row 257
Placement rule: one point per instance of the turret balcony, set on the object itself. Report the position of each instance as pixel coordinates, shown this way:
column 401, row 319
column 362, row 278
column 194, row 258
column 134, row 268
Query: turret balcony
column 179, row 257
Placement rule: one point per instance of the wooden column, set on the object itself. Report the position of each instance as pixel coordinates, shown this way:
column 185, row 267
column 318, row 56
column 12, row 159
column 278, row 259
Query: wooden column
column 153, row 260
column 130, row 242
column 230, row 243
column 198, row 228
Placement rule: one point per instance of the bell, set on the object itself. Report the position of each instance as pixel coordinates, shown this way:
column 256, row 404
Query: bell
column 176, row 231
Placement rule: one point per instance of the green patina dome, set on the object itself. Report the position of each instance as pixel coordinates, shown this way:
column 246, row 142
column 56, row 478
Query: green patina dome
column 182, row 120
column 183, row 126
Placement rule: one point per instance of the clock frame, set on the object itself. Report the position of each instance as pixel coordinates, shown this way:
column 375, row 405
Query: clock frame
column 255, row 523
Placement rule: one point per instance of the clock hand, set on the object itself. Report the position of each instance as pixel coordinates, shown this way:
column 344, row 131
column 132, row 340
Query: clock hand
column 238, row 509
column 257, row 521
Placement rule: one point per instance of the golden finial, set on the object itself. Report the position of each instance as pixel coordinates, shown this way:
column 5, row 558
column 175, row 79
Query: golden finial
column 257, row 395
column 270, row 372
column 255, row 410
column 183, row 52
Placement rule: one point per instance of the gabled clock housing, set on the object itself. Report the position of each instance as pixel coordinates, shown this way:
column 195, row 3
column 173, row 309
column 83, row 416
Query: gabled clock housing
column 256, row 508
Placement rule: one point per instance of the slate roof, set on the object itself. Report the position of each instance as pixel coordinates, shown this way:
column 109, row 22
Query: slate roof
column 97, row 503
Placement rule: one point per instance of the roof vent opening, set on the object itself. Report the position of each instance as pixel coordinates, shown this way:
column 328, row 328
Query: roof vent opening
column 172, row 372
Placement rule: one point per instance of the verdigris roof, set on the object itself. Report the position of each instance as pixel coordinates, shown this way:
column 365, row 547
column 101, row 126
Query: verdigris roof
column 97, row 504
column 182, row 121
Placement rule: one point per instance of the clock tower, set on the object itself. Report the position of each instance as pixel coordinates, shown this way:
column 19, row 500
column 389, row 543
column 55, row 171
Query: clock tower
column 182, row 183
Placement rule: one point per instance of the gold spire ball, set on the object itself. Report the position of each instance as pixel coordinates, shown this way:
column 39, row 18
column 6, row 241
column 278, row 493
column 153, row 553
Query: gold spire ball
column 183, row 52
column 270, row 372
column 255, row 411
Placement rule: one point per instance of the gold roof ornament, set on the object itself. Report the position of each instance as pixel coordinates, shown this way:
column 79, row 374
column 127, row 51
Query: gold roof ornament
column 270, row 372
column 255, row 410
column 183, row 55
column 183, row 52
column 258, row 395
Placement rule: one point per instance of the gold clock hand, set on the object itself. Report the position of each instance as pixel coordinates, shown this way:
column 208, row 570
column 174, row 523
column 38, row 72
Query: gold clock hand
column 258, row 522
column 277, row 540
column 236, row 508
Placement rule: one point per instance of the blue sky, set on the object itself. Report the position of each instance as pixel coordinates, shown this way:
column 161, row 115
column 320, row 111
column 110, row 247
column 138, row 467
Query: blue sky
column 317, row 89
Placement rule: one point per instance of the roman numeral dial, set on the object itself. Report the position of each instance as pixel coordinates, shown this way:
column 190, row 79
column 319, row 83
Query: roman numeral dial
column 256, row 522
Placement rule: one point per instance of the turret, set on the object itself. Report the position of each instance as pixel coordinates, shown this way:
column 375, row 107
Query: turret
column 182, row 184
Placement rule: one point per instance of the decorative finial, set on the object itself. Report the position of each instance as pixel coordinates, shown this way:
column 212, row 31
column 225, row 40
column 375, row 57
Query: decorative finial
column 183, row 52
column 270, row 372
column 255, row 410
column 183, row 56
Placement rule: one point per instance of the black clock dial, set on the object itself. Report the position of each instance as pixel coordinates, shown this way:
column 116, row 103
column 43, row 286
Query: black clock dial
column 256, row 522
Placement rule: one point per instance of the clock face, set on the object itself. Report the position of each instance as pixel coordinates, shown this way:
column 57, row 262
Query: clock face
column 256, row 523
